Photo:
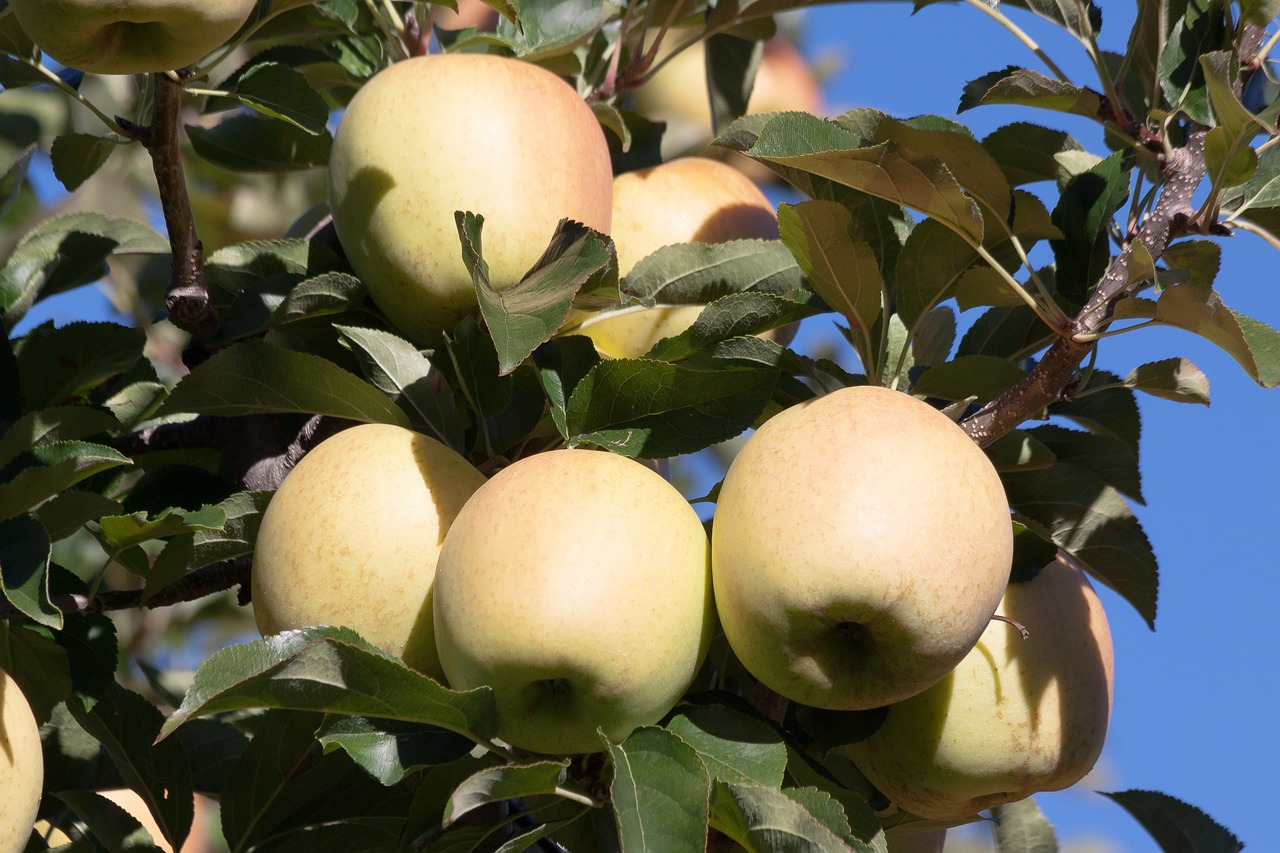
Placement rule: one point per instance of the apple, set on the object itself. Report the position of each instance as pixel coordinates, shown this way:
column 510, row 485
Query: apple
column 677, row 93
column 576, row 584
column 686, row 200
column 437, row 134
column 21, row 767
column 860, row 546
column 471, row 13
column 910, row 840
column 1016, row 716
column 351, row 538
column 130, row 36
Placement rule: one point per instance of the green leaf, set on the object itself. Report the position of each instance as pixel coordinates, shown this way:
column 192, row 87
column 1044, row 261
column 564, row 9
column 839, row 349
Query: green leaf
column 213, row 749
column 1012, row 332
column 38, row 664
column 1174, row 379
column 238, row 267
column 562, row 363
column 766, row 819
column 654, row 409
column 109, row 824
column 119, row 532
column 331, row 670
column 1026, row 152
column 89, row 641
column 888, row 170
column 1196, row 261
column 326, row 294
column 44, row 426
column 1260, row 12
column 732, row 316
column 1178, row 827
column 64, row 363
column 126, row 725
column 1092, row 522
column 660, row 792
column 14, row 179
column 843, row 271
column 1031, row 89
column 505, row 782
column 1108, row 458
column 256, row 377
column 277, row 90
column 205, row 545
column 68, row 251
column 24, row 569
column 1105, row 409
column 698, row 273
column 65, row 513
column 1198, row 308
column 1084, row 209
column 1017, row 451
column 389, row 750
column 1020, row 827
column 1200, row 30
column 522, row 317
column 933, row 260
column 736, row 748
column 983, row 377
column 55, row 467
column 398, row 369
column 252, row 143
column 76, row 157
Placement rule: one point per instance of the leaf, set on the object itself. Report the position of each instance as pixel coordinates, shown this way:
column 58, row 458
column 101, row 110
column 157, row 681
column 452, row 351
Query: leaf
column 1025, row 151
column 659, row 792
column 888, row 170
column 24, row 569
column 65, row 363
column 109, row 824
column 1091, row 521
column 1020, row 827
column 1174, row 379
column 331, row 670
column 14, row 179
column 277, row 90
column 126, row 725
column 119, row 532
column 256, row 377
column 76, row 157
column 1019, row 450
column 562, row 363
column 39, row 666
column 1083, row 212
column 1178, row 827
column 698, row 273
column 325, row 294
column 239, row 266
column 653, row 409
column 982, row 377
column 1032, row 89
column 735, row 747
column 932, row 261
column 505, row 782
column 45, row 426
column 390, row 750
column 840, row 269
column 1104, row 408
column 398, row 369
column 65, row 513
column 68, row 251
column 213, row 748
column 1107, row 457
column 254, row 143
column 203, row 546
column 89, row 642
column 766, row 819
column 732, row 316
column 1198, row 308
column 1260, row 12
column 55, row 467
column 1201, row 29
column 522, row 317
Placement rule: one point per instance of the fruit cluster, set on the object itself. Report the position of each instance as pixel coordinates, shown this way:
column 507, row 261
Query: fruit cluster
column 861, row 546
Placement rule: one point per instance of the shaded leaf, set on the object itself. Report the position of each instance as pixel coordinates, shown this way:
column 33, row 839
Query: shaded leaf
column 1030, row 88
column 24, row 569
column 843, row 271
column 766, row 819
column 277, row 90
column 1020, row 827
column 205, row 545
column 505, row 782
column 254, row 143
column 54, row 467
column 44, row 426
column 389, row 750
column 1174, row 379
column 982, row 377
column 1025, row 151
column 64, row 363
column 39, row 665
column 76, row 157
column 1178, row 827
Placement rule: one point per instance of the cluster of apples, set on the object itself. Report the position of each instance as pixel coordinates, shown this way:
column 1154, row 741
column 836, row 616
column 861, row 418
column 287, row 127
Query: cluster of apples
column 862, row 544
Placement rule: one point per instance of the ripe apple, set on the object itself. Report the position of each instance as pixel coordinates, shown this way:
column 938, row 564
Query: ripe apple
column 351, row 537
column 576, row 584
column 1015, row 717
column 687, row 200
column 21, row 767
column 130, row 36
column 437, row 134
column 860, row 546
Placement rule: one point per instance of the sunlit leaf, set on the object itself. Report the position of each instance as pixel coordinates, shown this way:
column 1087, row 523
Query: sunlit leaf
column 660, row 792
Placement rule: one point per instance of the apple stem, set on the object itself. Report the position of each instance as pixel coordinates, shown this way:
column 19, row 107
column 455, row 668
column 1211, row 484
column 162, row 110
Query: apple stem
column 1014, row 622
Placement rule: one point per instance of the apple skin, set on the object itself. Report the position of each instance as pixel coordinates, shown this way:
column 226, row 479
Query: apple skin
column 436, row 134
column 687, row 200
column 1015, row 717
column 576, row 584
column 351, row 538
column 21, row 767
column 133, row 37
column 860, row 546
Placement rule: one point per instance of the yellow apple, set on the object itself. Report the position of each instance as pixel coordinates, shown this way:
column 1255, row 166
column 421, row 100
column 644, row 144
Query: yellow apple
column 21, row 767
column 576, row 584
column 687, row 200
column 860, row 546
column 351, row 538
column 437, row 134
column 130, row 36
column 677, row 94
column 1015, row 717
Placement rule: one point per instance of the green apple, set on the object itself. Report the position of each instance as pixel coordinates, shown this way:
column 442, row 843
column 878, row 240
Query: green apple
column 21, row 767
column 1015, row 717
column 130, row 36
column 687, row 200
column 437, row 134
column 576, row 584
column 351, row 538
column 860, row 546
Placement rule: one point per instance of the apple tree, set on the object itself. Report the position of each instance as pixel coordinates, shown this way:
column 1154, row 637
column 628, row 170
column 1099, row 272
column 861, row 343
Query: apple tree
column 972, row 276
